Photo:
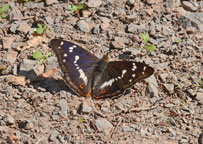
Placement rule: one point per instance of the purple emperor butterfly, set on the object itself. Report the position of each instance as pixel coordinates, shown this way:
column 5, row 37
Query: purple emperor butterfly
column 88, row 75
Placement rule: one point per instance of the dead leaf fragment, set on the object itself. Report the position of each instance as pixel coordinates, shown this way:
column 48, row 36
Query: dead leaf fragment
column 16, row 80
column 47, row 74
column 13, row 139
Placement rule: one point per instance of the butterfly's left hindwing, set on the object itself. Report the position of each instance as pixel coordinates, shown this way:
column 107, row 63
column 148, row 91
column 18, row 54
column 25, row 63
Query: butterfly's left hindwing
column 76, row 63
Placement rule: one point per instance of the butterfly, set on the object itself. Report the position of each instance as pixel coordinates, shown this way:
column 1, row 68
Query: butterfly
column 88, row 75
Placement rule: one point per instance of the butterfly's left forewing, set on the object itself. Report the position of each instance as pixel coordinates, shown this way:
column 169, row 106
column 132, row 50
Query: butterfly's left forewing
column 120, row 75
column 76, row 63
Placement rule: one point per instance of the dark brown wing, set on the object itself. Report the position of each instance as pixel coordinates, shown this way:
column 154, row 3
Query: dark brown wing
column 120, row 75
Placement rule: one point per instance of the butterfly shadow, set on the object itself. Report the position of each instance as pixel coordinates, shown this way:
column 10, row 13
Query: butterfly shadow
column 51, row 84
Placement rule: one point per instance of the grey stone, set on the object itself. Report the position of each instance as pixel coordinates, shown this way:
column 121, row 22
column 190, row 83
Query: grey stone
column 96, row 29
column 131, row 2
column 16, row 96
column 63, row 107
column 33, row 5
column 119, row 11
column 118, row 44
column 199, row 97
column 192, row 19
column 185, row 120
column 52, row 63
column 191, row 92
column 9, row 119
column 18, row 134
column 94, row 3
column 53, row 135
column 86, row 108
column 61, row 139
column 132, row 28
column 83, row 26
column 15, row 12
column 169, row 87
column 27, row 65
column 58, row 19
column 2, row 123
column 143, row 131
column 172, row 3
column 26, row 69
column 190, row 6
column 13, row 27
column 166, row 31
column 29, row 125
column 172, row 132
column 128, row 129
column 130, row 18
column 103, row 125
column 104, row 109
column 15, row 69
column 49, row 20
column 152, row 88
column 151, row 1
column 105, row 20
column 183, row 140
column 24, row 27
column 172, row 121
column 169, row 105
column 153, row 41
column 55, row 117
column 11, row 56
column 38, row 69
column 164, row 76
column 119, row 106
column 7, row 42
column 122, row 39
column 50, row 2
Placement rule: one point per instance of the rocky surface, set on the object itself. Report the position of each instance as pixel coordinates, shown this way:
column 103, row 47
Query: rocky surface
column 165, row 108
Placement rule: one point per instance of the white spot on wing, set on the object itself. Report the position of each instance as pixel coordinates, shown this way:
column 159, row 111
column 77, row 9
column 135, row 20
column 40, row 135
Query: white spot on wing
column 64, row 60
column 62, row 43
column 130, row 80
column 144, row 68
column 133, row 75
column 74, row 46
column 107, row 83
column 142, row 72
column 65, row 55
column 134, row 67
column 82, row 75
column 71, row 49
column 76, row 59
column 123, row 72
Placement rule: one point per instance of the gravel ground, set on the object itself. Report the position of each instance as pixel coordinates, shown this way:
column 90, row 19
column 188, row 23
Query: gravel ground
column 163, row 109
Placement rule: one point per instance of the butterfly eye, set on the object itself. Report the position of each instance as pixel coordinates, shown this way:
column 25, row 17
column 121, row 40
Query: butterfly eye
column 103, row 91
column 81, row 86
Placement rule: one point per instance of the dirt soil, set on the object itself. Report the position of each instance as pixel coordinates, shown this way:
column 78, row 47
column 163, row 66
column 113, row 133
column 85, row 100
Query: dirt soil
column 36, row 107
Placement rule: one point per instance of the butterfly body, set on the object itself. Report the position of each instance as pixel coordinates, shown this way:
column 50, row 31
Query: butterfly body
column 87, row 75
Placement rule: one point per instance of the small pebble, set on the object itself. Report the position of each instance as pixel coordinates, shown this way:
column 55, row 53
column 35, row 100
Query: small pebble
column 83, row 26
column 103, row 125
